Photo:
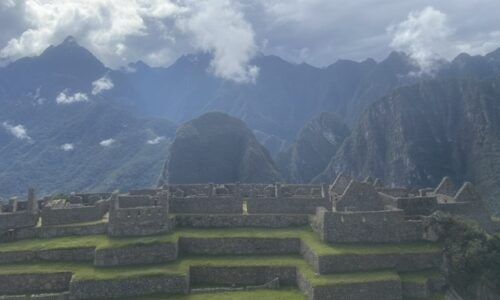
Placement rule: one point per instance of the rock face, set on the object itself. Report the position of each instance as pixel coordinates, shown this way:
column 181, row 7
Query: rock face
column 316, row 143
column 220, row 149
column 424, row 132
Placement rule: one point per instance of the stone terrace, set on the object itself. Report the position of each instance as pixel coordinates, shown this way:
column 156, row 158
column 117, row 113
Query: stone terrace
column 349, row 240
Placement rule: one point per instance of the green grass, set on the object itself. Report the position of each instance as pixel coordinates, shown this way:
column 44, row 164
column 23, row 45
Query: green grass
column 86, row 271
column 437, row 296
column 309, row 237
column 286, row 294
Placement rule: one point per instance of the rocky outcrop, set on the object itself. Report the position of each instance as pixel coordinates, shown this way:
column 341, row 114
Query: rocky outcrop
column 220, row 149
column 316, row 143
column 424, row 132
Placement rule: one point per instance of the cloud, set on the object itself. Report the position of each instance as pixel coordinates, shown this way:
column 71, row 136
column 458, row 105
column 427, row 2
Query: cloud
column 18, row 131
column 156, row 31
column 63, row 98
column 426, row 36
column 217, row 26
column 101, row 85
column 5, row 4
column 67, row 147
column 156, row 140
column 107, row 143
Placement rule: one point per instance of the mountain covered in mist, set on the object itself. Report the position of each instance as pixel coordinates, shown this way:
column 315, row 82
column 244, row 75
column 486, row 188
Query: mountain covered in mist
column 70, row 123
column 218, row 148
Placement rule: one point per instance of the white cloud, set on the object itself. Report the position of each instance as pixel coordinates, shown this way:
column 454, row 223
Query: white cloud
column 18, row 131
column 107, row 143
column 67, row 147
column 156, row 140
column 155, row 31
column 7, row 4
column 102, row 84
column 219, row 27
column 426, row 36
column 63, row 98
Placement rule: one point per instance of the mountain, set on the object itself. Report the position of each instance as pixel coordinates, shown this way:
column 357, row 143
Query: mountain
column 220, row 149
column 315, row 145
column 52, row 125
column 420, row 133
column 284, row 97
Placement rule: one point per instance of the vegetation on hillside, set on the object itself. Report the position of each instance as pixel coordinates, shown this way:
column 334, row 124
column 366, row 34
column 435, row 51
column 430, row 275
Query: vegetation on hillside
column 471, row 256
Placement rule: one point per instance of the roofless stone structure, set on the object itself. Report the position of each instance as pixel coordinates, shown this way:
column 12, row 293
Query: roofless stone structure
column 173, row 239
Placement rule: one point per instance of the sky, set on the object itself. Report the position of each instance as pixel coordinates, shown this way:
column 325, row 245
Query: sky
column 317, row 32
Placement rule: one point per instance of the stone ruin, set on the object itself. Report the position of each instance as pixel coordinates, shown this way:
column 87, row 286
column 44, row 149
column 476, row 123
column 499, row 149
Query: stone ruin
column 347, row 211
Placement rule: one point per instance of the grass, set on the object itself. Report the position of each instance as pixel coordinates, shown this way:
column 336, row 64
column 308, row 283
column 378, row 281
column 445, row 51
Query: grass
column 437, row 296
column 309, row 237
column 86, row 271
column 285, row 294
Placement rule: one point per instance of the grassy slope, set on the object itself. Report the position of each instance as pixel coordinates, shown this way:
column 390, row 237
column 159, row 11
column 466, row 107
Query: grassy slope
column 287, row 294
column 309, row 237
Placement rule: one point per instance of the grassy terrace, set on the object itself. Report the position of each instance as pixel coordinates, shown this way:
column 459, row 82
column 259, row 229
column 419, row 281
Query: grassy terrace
column 86, row 271
column 306, row 234
column 287, row 294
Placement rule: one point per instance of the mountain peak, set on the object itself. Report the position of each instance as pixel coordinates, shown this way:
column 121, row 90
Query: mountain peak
column 70, row 41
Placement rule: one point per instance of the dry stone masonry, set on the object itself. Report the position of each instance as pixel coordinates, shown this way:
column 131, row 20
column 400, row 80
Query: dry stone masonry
column 347, row 213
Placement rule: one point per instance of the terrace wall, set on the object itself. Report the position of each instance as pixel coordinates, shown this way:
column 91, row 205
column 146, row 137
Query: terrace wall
column 288, row 205
column 128, row 287
column 136, row 255
column 72, row 215
column 238, row 246
column 206, row 205
column 376, row 227
column 242, row 275
column 233, row 221
column 21, row 284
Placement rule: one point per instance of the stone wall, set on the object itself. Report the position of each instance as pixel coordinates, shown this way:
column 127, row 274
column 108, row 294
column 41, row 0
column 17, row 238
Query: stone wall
column 369, row 262
column 58, row 231
column 286, row 205
column 387, row 290
column 71, row 254
column 241, row 275
column 21, row 284
column 129, row 201
column 376, row 227
column 239, row 246
column 71, row 215
column 17, row 220
column 423, row 206
column 139, row 221
column 136, row 255
column 233, row 221
column 206, row 205
column 128, row 287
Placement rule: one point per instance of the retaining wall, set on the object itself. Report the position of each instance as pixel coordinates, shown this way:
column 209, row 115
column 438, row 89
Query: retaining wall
column 62, row 216
column 369, row 262
column 232, row 221
column 239, row 246
column 385, row 289
column 136, row 255
column 22, row 284
column 128, row 287
column 291, row 205
column 72, row 254
column 241, row 275
column 376, row 227
column 17, row 220
column 206, row 205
